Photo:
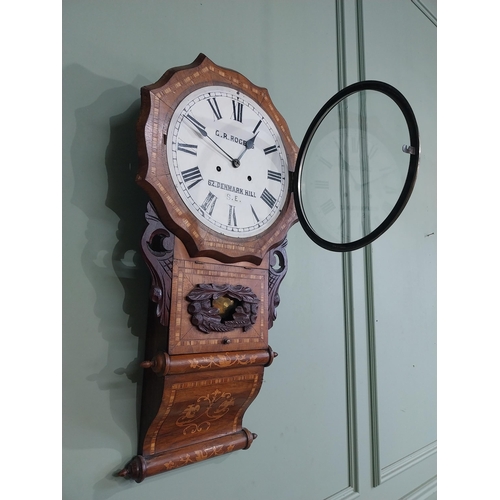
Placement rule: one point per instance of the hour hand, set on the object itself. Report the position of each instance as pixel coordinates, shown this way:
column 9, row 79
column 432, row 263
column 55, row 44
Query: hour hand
column 249, row 145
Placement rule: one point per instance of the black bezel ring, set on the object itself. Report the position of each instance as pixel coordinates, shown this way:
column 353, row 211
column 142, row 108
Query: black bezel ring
column 411, row 177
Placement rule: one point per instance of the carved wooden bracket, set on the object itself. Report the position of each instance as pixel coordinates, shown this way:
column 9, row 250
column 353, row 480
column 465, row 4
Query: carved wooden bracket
column 278, row 266
column 222, row 308
column 157, row 247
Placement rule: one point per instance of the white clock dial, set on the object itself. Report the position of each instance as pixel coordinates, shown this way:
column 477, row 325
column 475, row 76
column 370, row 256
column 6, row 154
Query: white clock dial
column 227, row 161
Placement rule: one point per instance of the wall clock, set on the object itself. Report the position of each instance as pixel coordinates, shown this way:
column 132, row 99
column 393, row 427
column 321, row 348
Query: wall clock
column 219, row 164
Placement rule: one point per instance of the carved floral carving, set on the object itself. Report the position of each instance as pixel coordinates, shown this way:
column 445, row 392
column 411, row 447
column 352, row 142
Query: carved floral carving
column 209, row 318
column 278, row 267
column 157, row 247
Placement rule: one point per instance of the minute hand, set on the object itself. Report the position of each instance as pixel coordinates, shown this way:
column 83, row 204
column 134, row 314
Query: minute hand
column 203, row 132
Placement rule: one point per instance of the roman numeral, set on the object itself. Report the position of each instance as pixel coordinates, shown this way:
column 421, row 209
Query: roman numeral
column 238, row 111
column 274, row 176
column 321, row 184
column 254, row 214
column 192, row 175
column 209, row 203
column 215, row 108
column 256, row 127
column 270, row 149
column 268, row 198
column 328, row 206
column 187, row 148
column 232, row 216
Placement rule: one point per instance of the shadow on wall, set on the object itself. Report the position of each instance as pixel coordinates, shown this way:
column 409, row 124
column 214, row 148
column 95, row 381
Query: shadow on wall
column 100, row 124
column 104, row 161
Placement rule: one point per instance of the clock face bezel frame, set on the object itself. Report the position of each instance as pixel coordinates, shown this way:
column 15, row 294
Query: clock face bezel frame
column 411, row 176
column 158, row 104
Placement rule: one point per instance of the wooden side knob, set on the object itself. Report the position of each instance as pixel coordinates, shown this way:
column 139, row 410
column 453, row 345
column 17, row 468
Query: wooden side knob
column 159, row 364
column 250, row 437
column 272, row 355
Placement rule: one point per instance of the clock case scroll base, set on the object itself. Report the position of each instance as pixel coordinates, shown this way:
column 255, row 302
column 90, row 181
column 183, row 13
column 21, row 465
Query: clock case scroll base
column 193, row 407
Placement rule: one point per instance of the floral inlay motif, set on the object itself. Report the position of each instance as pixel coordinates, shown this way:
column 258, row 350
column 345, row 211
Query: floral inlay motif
column 222, row 361
column 197, row 417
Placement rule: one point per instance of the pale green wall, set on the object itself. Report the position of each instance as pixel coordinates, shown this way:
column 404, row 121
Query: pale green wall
column 110, row 49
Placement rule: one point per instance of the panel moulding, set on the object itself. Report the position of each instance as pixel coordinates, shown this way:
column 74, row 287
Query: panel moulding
column 423, row 491
column 426, row 11
column 351, row 491
column 345, row 494
column 369, row 290
column 408, row 461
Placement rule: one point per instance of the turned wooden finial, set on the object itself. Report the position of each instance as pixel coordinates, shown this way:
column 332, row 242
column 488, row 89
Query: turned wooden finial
column 135, row 469
column 123, row 473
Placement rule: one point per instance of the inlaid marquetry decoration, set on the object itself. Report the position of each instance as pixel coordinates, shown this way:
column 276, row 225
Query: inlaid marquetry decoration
column 197, row 417
column 216, row 159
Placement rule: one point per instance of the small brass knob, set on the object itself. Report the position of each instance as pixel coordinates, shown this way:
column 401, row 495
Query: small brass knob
column 225, row 340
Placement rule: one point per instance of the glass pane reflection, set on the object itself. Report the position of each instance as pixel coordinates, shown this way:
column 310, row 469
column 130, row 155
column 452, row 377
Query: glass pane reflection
column 354, row 169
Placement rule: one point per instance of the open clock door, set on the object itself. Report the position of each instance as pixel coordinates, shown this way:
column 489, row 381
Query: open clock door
column 357, row 166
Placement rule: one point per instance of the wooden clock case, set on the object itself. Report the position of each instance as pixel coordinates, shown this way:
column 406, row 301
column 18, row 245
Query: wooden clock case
column 213, row 298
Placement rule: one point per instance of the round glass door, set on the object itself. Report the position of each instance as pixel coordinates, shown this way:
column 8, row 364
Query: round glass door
column 357, row 166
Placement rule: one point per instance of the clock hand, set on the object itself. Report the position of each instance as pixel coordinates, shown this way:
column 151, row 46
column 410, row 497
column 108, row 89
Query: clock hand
column 227, row 154
column 203, row 132
column 249, row 145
